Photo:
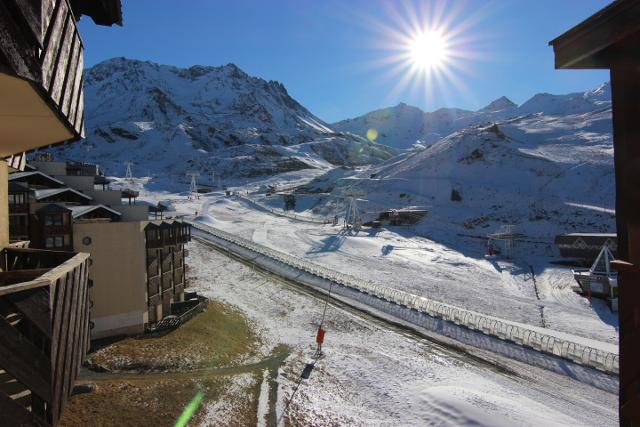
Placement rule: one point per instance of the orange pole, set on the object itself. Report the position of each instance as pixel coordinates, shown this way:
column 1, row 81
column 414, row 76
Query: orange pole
column 320, row 336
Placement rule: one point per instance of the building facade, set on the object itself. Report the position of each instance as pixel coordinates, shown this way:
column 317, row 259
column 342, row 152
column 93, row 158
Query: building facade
column 131, row 291
column 44, row 301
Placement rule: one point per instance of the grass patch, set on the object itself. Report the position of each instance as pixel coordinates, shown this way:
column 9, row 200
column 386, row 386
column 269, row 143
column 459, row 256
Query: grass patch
column 158, row 401
column 216, row 337
column 155, row 378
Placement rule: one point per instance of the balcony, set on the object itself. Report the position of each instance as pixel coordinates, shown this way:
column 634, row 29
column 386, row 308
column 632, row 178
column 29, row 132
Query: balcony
column 167, row 234
column 22, row 208
column 153, row 286
column 167, row 281
column 41, row 78
column 44, row 332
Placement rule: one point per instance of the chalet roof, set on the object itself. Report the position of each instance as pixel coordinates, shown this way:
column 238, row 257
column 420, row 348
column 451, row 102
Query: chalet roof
column 159, row 207
column 594, row 43
column 43, row 194
column 79, row 211
column 130, row 193
column 18, row 187
column 18, row 176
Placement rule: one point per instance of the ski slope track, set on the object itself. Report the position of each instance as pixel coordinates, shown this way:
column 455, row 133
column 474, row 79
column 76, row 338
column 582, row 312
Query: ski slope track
column 541, row 347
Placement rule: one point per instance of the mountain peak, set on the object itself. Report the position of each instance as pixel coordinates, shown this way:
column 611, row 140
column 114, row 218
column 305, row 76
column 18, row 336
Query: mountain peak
column 499, row 104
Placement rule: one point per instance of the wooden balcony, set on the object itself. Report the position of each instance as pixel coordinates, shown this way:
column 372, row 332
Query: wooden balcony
column 22, row 208
column 41, row 66
column 44, row 332
column 153, row 286
column 167, row 234
column 167, row 282
column 178, row 276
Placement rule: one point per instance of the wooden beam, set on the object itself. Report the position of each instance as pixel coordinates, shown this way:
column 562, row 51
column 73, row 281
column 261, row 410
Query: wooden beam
column 24, row 361
column 13, row 414
column 625, row 92
column 37, row 251
column 14, row 276
column 34, row 304
column 584, row 45
column 38, row 283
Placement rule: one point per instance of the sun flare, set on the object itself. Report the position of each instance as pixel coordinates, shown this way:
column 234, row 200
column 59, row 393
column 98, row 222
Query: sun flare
column 428, row 50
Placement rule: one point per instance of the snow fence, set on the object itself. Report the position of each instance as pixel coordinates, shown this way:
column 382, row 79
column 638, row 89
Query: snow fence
column 555, row 343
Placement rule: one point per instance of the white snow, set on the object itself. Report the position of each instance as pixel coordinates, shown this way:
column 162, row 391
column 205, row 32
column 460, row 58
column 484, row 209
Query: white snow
column 404, row 126
column 377, row 374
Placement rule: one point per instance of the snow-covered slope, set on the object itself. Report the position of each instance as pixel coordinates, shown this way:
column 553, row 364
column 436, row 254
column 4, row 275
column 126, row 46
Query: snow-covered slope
column 403, row 126
column 169, row 120
column 546, row 173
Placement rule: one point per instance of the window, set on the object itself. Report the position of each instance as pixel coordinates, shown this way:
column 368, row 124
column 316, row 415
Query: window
column 16, row 199
column 55, row 219
column 54, row 242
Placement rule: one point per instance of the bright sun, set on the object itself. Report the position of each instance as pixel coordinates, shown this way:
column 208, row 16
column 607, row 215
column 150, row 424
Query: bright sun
column 428, row 50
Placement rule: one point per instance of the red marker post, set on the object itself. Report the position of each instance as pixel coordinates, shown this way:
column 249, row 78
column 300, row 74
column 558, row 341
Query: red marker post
column 320, row 336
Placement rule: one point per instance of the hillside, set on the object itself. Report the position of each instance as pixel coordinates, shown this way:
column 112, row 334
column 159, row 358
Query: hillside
column 546, row 173
column 404, row 126
column 170, row 120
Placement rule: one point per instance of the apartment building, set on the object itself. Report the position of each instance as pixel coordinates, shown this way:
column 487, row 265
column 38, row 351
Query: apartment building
column 44, row 298
column 69, row 206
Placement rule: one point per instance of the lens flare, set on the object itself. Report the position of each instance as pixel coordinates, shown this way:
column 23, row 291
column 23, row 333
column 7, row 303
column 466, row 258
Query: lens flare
column 372, row 135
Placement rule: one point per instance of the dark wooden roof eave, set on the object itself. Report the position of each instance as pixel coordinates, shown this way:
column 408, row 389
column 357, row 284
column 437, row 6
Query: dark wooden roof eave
column 592, row 44
column 102, row 12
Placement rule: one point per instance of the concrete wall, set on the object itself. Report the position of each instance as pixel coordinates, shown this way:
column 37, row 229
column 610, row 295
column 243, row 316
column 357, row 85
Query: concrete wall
column 4, row 204
column 81, row 183
column 110, row 198
column 133, row 212
column 50, row 168
column 118, row 271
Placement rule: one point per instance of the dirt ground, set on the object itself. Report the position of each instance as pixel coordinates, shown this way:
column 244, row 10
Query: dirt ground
column 153, row 379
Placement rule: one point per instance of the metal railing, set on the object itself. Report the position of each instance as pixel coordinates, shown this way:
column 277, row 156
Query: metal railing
column 500, row 328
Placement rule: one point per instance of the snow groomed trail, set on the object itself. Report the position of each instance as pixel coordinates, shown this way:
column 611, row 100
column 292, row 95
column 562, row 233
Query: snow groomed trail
column 539, row 346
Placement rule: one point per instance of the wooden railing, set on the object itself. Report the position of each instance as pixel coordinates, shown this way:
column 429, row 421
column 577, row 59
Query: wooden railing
column 44, row 332
column 167, row 234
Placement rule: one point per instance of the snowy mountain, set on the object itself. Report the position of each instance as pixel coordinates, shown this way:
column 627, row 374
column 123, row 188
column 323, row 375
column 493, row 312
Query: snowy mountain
column 170, row 120
column 547, row 173
column 404, row 126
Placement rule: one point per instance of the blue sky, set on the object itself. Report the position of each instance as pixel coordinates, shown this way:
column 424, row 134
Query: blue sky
column 333, row 56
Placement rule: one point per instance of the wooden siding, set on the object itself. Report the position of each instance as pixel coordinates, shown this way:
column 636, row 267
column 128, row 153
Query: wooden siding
column 44, row 330
column 40, row 42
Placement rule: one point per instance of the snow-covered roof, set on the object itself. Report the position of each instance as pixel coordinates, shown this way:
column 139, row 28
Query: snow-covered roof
column 18, row 175
column 43, row 194
column 78, row 211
